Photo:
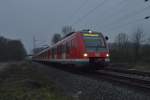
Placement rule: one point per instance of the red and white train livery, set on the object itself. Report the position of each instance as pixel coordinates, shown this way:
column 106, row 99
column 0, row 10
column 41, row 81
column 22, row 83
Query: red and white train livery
column 77, row 48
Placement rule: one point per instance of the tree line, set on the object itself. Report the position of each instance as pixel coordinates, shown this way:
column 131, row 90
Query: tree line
column 11, row 50
column 130, row 49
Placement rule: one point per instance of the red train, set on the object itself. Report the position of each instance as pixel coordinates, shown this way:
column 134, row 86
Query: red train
column 83, row 48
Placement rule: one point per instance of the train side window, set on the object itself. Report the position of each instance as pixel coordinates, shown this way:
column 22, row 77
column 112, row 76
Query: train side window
column 71, row 44
column 64, row 48
column 61, row 49
column 57, row 50
column 74, row 43
column 67, row 47
column 53, row 52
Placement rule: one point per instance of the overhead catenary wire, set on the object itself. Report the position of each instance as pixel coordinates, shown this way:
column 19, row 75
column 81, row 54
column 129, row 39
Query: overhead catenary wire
column 81, row 6
column 78, row 9
column 89, row 12
column 92, row 10
column 127, row 16
column 116, row 11
column 111, row 14
column 119, row 26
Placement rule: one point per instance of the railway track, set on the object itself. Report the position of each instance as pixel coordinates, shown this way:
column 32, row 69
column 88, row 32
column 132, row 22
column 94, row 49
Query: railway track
column 130, row 77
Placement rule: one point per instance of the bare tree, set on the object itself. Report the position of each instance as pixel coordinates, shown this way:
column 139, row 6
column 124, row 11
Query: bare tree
column 138, row 38
column 121, row 47
column 67, row 29
column 122, row 40
column 148, row 40
column 56, row 38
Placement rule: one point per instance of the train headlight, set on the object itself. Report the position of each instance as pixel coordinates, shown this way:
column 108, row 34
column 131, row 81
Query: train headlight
column 85, row 54
column 90, row 31
column 107, row 55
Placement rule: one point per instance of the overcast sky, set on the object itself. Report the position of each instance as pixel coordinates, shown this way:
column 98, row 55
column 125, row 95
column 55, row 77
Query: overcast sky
column 23, row 19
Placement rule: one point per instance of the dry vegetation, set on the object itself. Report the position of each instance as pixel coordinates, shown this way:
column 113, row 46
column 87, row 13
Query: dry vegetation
column 23, row 82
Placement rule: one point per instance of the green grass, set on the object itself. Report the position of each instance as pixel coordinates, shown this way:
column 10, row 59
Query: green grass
column 24, row 82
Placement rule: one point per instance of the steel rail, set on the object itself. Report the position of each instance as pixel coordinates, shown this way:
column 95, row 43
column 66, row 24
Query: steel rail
column 129, row 71
column 129, row 79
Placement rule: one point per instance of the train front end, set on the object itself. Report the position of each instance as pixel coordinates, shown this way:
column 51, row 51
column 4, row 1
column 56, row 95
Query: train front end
column 95, row 49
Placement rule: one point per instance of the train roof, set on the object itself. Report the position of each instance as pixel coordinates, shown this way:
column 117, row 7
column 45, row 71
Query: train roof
column 69, row 34
column 82, row 31
column 42, row 51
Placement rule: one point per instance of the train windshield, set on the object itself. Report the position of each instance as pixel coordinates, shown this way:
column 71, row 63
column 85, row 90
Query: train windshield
column 94, row 42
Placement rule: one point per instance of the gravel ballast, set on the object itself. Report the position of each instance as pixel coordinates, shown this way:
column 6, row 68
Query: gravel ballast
column 84, row 88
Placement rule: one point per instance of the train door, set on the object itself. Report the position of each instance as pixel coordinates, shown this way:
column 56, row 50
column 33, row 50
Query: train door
column 64, row 51
column 72, row 49
column 52, row 55
column 67, row 50
column 55, row 53
column 49, row 54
